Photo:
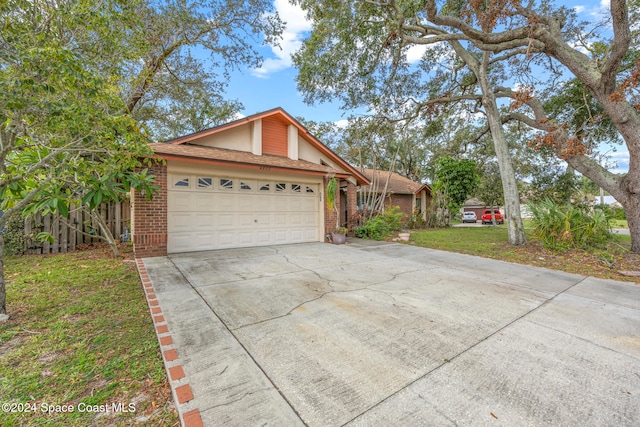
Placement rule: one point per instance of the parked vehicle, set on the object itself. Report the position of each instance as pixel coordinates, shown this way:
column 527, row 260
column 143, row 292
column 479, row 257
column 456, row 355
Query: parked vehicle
column 469, row 217
column 486, row 217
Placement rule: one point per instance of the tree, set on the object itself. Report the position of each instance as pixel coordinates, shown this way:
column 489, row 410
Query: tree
column 74, row 75
column 368, row 62
column 524, row 37
column 489, row 189
column 456, row 180
column 609, row 71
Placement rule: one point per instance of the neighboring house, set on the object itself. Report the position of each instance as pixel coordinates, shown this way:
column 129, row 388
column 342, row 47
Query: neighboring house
column 400, row 191
column 474, row 205
column 255, row 181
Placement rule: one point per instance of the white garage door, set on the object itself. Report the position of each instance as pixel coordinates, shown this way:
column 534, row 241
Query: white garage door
column 208, row 212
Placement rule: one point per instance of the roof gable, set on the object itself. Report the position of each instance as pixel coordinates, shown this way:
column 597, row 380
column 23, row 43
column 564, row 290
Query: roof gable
column 279, row 117
column 398, row 184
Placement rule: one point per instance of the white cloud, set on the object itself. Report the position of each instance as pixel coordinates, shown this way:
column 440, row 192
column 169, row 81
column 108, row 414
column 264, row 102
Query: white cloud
column 296, row 24
column 342, row 124
column 579, row 9
column 620, row 161
column 415, row 53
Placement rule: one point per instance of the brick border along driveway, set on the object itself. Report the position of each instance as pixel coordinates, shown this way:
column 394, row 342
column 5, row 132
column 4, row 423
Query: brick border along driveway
column 317, row 334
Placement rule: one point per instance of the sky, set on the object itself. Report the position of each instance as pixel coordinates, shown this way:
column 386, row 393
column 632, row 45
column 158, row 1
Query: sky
column 274, row 84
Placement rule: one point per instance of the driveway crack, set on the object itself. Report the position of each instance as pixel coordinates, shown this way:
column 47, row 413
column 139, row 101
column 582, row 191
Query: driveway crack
column 333, row 291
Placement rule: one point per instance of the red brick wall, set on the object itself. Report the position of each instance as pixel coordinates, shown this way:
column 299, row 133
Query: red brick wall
column 330, row 215
column 352, row 203
column 404, row 202
column 150, row 218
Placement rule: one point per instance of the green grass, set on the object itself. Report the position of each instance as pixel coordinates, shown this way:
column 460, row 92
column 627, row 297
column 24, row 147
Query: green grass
column 80, row 333
column 479, row 241
column 619, row 223
column 492, row 242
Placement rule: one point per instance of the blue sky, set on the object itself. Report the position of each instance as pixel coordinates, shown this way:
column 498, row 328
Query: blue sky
column 273, row 85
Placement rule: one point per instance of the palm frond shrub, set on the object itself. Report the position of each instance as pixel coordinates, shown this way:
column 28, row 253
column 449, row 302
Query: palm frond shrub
column 561, row 227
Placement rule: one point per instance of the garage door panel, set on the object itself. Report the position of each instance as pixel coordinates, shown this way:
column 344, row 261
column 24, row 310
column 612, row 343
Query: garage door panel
column 264, row 220
column 180, row 221
column 225, row 220
column 205, row 221
column 263, row 238
column 245, row 203
column 296, row 219
column 253, row 214
column 180, row 201
column 247, row 238
column 264, row 203
column 226, row 202
column 246, row 220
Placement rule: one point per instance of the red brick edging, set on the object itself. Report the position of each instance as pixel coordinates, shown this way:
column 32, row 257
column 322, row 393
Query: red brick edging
column 181, row 393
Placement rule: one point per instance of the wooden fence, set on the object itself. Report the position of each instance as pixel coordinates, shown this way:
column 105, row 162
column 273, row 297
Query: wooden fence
column 67, row 231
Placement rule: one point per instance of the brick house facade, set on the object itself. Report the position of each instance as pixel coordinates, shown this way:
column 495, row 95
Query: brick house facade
column 256, row 181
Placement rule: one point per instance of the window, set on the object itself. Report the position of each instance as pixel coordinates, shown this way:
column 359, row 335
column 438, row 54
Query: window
column 182, row 181
column 419, row 204
column 226, row 184
column 204, row 182
column 295, row 188
column 265, row 187
column 310, row 190
column 280, row 187
column 244, row 186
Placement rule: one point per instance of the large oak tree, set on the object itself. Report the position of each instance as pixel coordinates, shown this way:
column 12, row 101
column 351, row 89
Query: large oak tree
column 79, row 79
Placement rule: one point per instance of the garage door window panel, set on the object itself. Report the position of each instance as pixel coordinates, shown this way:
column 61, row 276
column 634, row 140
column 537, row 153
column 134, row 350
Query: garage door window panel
column 226, row 184
column 181, row 181
column 205, row 183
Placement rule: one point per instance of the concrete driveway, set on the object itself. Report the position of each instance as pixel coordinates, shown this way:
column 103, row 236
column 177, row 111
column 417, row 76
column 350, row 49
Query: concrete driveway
column 390, row 334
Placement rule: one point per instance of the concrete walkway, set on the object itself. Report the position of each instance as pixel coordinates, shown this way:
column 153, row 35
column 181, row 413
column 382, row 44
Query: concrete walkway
column 371, row 334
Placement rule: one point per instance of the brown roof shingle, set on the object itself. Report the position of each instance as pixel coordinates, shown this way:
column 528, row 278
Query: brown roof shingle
column 398, row 184
column 238, row 157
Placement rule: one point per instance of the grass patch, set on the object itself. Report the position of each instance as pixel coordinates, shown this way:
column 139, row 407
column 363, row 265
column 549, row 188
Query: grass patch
column 80, row 334
column 493, row 242
column 619, row 223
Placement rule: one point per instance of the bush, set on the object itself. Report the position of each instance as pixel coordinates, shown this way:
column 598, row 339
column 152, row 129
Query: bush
column 381, row 226
column 561, row 227
column 14, row 238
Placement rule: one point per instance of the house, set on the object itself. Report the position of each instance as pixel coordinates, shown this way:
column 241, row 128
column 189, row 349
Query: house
column 256, row 181
column 399, row 191
column 474, row 205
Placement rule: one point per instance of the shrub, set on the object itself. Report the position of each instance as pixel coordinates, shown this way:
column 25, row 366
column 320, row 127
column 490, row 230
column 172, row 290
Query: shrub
column 561, row 227
column 381, row 226
column 13, row 233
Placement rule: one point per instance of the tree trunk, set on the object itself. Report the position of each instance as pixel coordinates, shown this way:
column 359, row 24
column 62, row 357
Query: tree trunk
column 509, row 185
column 105, row 231
column 3, row 293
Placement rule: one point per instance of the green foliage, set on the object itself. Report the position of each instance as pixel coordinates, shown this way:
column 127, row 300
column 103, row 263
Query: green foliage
column 331, row 193
column 456, row 180
column 561, row 227
column 552, row 183
column 416, row 221
column 13, row 234
column 381, row 226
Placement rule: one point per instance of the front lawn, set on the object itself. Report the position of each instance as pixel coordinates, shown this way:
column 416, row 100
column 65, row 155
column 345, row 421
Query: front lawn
column 80, row 338
column 492, row 242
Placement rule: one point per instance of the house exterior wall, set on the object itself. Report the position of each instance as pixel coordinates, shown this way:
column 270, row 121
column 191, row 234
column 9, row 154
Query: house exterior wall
column 405, row 202
column 274, row 137
column 330, row 215
column 238, row 138
column 352, row 204
column 149, row 218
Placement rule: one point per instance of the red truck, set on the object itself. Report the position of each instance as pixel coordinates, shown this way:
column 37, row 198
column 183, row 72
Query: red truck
column 486, row 217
